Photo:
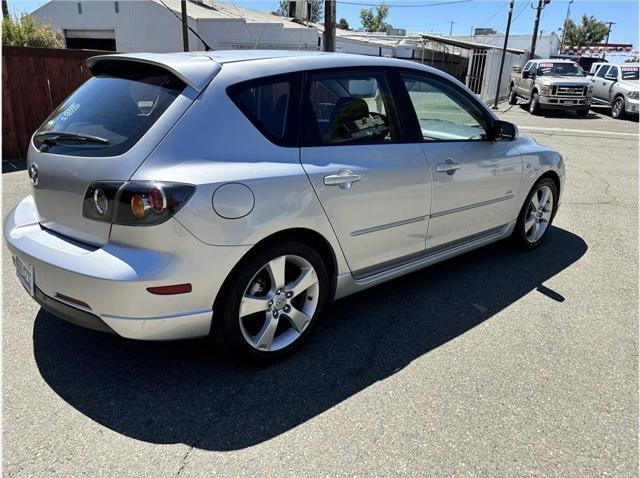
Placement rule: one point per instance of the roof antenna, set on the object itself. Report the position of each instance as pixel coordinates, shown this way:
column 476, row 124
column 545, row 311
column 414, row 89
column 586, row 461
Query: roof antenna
column 206, row 45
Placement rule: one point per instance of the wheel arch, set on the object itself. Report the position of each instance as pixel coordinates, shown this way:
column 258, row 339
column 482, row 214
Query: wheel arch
column 302, row 235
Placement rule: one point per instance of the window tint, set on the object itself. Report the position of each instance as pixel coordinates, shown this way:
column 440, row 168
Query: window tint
column 613, row 72
column 559, row 69
column 266, row 105
column 443, row 111
column 345, row 108
column 602, row 71
column 118, row 105
column 527, row 67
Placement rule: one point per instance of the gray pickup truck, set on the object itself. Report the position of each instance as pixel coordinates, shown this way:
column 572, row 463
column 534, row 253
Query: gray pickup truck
column 552, row 85
column 617, row 86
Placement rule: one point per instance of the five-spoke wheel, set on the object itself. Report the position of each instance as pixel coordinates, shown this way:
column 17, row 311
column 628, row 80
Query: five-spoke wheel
column 271, row 301
column 279, row 303
column 536, row 214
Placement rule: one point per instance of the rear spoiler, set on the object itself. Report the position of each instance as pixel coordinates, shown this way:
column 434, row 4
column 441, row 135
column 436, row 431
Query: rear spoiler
column 194, row 70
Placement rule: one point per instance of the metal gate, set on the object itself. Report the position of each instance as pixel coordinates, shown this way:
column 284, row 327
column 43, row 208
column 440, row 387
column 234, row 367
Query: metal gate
column 476, row 70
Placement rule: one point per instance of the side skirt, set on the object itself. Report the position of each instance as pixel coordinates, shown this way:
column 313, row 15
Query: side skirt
column 349, row 283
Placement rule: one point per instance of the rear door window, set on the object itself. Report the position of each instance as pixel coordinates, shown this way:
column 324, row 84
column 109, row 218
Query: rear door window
column 351, row 107
column 110, row 112
column 602, row 71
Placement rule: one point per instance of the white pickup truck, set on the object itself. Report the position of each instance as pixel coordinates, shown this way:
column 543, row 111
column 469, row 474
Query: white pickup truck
column 617, row 86
column 552, row 85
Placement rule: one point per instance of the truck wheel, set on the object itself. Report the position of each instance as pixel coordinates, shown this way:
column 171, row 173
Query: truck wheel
column 513, row 98
column 534, row 104
column 582, row 113
column 617, row 110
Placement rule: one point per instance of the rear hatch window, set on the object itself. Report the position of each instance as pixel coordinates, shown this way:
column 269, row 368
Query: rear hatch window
column 110, row 112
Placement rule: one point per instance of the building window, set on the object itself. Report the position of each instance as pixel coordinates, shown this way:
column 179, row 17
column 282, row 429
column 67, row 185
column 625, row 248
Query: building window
column 117, row 6
column 79, row 7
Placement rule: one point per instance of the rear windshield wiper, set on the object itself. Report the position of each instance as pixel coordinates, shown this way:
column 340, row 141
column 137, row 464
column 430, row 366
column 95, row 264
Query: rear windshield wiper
column 60, row 137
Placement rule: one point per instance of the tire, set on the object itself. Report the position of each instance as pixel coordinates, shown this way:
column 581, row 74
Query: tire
column 582, row 113
column 513, row 97
column 524, row 235
column 617, row 108
column 534, row 104
column 270, row 332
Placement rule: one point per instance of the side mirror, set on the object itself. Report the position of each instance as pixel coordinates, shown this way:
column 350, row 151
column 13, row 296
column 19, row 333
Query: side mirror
column 504, row 131
column 525, row 75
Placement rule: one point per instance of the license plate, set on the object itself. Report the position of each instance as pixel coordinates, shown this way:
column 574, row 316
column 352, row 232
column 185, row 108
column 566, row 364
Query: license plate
column 25, row 274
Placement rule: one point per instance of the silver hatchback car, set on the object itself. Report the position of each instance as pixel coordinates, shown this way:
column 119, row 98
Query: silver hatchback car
column 232, row 194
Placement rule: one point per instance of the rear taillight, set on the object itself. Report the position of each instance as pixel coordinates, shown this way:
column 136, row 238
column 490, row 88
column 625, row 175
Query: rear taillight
column 134, row 203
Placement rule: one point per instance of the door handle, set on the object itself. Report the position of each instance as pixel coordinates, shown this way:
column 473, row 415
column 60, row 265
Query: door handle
column 449, row 167
column 344, row 179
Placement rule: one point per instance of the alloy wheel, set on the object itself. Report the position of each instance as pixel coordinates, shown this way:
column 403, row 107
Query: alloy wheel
column 279, row 303
column 617, row 108
column 539, row 213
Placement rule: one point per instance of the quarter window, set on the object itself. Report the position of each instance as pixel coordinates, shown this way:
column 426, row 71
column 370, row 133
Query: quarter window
column 443, row 111
column 266, row 104
column 349, row 108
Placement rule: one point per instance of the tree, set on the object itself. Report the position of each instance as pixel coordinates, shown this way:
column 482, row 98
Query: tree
column 590, row 32
column 316, row 14
column 343, row 24
column 374, row 21
column 26, row 31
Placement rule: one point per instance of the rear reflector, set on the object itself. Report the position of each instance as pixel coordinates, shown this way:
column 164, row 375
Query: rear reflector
column 170, row 289
column 71, row 300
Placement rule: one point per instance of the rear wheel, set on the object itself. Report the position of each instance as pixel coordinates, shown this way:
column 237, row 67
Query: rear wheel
column 536, row 214
column 534, row 104
column 513, row 97
column 267, row 309
column 617, row 109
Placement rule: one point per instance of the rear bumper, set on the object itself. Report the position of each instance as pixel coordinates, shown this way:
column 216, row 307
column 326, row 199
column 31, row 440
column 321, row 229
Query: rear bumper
column 112, row 280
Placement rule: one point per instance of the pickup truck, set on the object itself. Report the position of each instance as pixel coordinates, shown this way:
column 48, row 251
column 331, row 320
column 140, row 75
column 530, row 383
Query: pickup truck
column 551, row 85
column 617, row 86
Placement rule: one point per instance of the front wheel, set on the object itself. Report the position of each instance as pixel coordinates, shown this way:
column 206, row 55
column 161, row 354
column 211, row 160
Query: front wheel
column 536, row 214
column 269, row 306
column 582, row 113
column 513, row 97
column 617, row 109
column 534, row 104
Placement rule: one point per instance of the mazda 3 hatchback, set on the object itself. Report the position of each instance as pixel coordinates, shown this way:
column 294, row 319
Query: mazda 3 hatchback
column 233, row 194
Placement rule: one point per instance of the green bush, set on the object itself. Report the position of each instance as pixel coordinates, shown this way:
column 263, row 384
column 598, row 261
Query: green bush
column 26, row 31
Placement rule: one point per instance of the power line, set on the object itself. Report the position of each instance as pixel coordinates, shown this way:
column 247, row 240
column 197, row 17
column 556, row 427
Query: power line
column 393, row 5
column 206, row 45
column 494, row 15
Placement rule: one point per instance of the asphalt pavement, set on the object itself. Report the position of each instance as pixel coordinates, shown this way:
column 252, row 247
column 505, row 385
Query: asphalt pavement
column 496, row 363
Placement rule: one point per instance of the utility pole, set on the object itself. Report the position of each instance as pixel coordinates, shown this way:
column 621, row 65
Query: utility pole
column 564, row 29
column 504, row 52
column 609, row 31
column 185, row 32
column 5, row 9
column 451, row 29
column 329, row 25
column 534, row 38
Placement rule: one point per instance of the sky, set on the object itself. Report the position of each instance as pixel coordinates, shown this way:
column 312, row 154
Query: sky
column 466, row 14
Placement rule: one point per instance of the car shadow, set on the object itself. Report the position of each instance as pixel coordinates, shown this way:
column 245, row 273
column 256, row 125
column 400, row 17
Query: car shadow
column 183, row 392
column 561, row 113
column 12, row 166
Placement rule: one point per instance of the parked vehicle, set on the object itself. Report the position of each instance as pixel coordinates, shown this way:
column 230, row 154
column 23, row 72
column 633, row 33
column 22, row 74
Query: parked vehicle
column 233, row 194
column 595, row 66
column 617, row 86
column 551, row 85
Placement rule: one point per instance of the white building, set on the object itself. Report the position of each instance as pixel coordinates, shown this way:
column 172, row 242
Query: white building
column 155, row 26
column 547, row 44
